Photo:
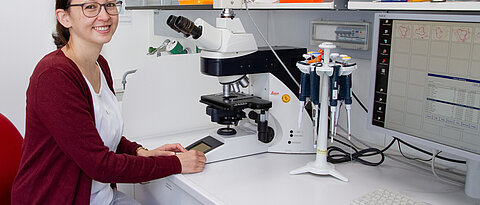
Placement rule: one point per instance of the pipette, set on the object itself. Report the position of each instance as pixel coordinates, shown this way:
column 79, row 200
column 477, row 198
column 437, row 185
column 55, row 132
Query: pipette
column 346, row 89
column 348, row 100
column 335, row 59
column 314, row 98
column 304, row 89
column 333, row 96
column 341, row 97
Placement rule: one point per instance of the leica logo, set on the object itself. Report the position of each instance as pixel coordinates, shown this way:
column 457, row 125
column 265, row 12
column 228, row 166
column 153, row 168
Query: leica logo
column 274, row 93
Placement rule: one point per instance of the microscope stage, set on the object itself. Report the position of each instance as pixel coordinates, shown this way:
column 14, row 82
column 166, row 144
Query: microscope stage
column 237, row 101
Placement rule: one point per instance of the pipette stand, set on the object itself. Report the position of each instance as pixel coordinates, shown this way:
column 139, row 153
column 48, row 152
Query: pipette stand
column 320, row 166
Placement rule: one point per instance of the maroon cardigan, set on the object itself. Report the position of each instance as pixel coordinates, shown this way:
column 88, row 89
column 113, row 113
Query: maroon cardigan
column 63, row 151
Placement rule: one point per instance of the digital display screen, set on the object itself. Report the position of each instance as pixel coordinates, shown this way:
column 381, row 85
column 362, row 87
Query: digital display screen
column 428, row 81
column 201, row 147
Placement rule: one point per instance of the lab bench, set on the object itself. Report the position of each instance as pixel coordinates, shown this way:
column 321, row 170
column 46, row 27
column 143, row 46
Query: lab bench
column 265, row 179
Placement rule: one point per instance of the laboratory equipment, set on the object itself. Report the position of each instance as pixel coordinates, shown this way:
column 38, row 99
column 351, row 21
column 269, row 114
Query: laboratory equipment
column 344, row 94
column 304, row 93
column 170, row 46
column 175, row 47
column 255, row 106
column 326, row 69
column 426, row 84
column 350, row 35
column 160, row 49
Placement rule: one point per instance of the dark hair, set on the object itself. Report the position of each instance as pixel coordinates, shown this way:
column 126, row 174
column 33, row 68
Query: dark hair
column 60, row 38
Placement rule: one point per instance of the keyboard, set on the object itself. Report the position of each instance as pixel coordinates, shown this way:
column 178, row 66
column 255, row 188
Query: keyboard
column 385, row 197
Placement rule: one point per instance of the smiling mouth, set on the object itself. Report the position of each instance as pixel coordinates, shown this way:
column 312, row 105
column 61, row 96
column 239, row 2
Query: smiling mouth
column 101, row 28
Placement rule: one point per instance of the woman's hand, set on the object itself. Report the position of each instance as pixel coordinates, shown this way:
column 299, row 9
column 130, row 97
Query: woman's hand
column 164, row 150
column 192, row 161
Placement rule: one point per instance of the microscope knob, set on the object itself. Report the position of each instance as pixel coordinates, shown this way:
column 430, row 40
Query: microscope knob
column 253, row 115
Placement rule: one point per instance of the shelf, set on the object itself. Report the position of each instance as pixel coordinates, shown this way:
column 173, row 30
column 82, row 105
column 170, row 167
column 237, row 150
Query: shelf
column 426, row 6
column 354, row 5
column 325, row 5
column 172, row 7
column 307, row 6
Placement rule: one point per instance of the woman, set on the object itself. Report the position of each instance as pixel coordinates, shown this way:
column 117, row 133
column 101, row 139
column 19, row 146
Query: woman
column 73, row 146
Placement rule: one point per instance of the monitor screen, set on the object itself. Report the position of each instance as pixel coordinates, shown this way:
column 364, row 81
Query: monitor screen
column 426, row 80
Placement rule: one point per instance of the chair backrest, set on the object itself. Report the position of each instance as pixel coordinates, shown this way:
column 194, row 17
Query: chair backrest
column 10, row 146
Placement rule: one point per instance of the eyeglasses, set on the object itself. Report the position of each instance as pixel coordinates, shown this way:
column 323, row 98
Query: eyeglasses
column 92, row 9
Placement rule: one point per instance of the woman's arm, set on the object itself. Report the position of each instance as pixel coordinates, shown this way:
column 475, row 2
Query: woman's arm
column 64, row 109
column 128, row 147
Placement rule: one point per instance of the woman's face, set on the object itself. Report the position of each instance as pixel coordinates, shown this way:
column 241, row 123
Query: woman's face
column 96, row 30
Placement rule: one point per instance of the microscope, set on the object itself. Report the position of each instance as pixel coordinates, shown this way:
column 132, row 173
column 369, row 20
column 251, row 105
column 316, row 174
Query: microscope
column 257, row 106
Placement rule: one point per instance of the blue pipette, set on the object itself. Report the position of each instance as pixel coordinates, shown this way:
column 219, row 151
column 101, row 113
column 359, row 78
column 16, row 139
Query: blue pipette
column 304, row 91
column 333, row 96
column 341, row 98
column 348, row 99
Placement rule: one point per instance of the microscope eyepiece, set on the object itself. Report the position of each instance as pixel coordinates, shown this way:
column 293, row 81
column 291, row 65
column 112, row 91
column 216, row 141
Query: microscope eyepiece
column 171, row 22
column 185, row 26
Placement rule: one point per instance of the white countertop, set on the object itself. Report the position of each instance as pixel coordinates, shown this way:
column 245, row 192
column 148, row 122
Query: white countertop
column 265, row 179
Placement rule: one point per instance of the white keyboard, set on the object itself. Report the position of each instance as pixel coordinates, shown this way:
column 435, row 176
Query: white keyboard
column 385, row 197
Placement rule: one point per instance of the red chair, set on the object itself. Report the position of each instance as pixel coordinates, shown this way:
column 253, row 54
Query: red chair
column 11, row 141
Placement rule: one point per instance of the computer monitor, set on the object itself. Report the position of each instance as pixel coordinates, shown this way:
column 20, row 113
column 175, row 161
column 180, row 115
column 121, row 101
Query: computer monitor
column 425, row 85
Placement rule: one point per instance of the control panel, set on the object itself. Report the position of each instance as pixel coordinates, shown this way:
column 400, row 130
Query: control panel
column 350, row 35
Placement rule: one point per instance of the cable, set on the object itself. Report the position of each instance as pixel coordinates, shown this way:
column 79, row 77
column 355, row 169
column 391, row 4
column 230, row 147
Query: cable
column 428, row 153
column 401, row 159
column 359, row 102
column 435, row 155
column 390, row 155
column 268, row 44
column 345, row 156
column 410, row 158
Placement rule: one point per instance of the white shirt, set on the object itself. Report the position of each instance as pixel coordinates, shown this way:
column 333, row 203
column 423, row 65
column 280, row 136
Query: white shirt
column 109, row 124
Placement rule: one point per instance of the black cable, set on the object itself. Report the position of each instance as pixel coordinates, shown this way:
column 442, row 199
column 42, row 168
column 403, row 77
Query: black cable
column 359, row 102
column 429, row 153
column 341, row 142
column 345, row 156
column 411, row 158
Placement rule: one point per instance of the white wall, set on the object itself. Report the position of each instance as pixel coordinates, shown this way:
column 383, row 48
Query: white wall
column 25, row 38
column 129, row 45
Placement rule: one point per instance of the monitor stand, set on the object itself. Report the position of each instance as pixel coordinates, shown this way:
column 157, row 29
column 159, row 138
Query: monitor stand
column 472, row 182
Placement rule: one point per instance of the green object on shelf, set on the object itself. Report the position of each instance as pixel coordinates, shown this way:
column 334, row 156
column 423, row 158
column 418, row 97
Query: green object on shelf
column 151, row 49
column 175, row 47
